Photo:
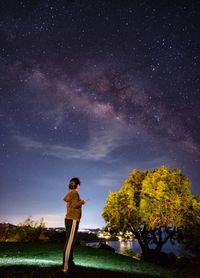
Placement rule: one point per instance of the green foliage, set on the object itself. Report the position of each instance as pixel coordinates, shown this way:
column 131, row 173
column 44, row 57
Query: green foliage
column 31, row 230
column 28, row 231
column 154, row 205
column 165, row 198
column 8, row 232
column 191, row 235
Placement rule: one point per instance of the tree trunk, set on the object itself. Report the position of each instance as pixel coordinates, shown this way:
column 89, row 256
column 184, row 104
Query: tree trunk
column 148, row 254
column 159, row 238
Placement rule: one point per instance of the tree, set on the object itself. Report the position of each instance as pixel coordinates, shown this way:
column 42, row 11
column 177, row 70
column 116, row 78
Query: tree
column 154, row 205
column 30, row 230
column 191, row 234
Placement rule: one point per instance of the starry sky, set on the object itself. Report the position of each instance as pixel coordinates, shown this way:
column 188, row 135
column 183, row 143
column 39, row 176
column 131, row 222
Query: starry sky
column 94, row 89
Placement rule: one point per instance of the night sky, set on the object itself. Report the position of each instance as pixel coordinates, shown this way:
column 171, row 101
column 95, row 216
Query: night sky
column 94, row 89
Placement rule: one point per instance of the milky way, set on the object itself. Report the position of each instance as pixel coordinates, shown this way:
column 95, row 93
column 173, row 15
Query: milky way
column 94, row 89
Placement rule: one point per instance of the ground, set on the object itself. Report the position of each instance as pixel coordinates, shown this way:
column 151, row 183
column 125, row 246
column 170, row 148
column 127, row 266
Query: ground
column 45, row 260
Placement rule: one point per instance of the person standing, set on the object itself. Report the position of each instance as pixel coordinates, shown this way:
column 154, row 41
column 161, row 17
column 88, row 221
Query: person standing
column 72, row 219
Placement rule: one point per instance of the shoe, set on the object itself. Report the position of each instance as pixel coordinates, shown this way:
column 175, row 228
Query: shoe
column 72, row 263
column 66, row 273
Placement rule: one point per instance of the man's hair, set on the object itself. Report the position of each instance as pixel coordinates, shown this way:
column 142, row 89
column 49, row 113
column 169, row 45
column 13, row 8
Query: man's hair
column 74, row 183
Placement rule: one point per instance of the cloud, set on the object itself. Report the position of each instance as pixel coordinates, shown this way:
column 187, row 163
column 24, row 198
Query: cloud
column 100, row 145
column 28, row 142
column 51, row 220
column 109, row 181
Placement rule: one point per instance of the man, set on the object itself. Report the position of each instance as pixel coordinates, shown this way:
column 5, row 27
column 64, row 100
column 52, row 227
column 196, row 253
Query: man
column 72, row 219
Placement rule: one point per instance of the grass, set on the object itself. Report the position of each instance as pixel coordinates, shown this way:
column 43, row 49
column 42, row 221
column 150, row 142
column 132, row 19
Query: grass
column 45, row 260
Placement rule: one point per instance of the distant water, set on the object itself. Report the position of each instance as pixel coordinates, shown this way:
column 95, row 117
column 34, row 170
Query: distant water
column 122, row 246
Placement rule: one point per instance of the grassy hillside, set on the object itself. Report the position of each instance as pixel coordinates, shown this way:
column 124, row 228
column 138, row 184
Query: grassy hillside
column 45, row 260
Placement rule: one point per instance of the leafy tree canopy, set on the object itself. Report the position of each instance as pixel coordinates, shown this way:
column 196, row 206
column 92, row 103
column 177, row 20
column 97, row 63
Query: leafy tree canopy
column 153, row 205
